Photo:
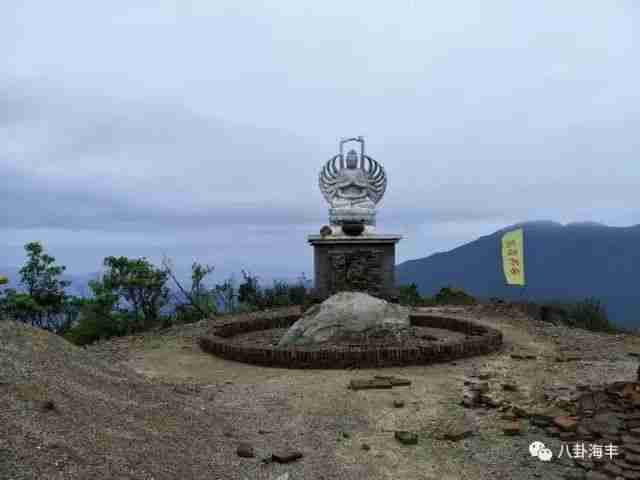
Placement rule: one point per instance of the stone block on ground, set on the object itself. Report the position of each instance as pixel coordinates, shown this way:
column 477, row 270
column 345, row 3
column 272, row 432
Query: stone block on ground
column 512, row 428
column 286, row 455
column 406, row 438
column 364, row 384
column 566, row 423
column 245, row 450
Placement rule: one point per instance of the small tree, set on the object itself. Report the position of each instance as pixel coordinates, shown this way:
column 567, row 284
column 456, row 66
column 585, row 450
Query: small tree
column 249, row 290
column 44, row 302
column 201, row 301
column 226, row 296
column 139, row 284
column 590, row 314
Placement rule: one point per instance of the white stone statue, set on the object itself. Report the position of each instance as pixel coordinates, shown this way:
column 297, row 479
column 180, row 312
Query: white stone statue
column 352, row 186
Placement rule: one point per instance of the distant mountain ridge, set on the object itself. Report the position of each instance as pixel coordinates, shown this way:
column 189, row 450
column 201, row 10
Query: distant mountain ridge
column 572, row 261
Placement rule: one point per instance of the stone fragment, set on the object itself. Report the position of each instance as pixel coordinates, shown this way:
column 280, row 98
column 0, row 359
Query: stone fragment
column 629, row 390
column 481, row 387
column 512, row 428
column 520, row 411
column 491, row 400
column 286, row 455
column 400, row 382
column 245, row 450
column 47, row 406
column 470, row 398
column 566, row 423
column 583, row 432
column 406, row 438
column 363, row 384
column 519, row 356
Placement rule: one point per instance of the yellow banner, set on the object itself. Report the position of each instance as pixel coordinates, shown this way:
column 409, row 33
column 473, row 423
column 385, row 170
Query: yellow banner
column 513, row 257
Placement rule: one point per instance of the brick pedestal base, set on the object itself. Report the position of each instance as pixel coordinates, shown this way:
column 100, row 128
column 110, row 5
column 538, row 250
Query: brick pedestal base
column 365, row 263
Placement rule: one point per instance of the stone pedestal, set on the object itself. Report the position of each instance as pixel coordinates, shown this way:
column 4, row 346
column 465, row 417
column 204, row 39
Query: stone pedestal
column 364, row 263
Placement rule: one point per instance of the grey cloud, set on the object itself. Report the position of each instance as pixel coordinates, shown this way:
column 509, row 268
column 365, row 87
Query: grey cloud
column 210, row 121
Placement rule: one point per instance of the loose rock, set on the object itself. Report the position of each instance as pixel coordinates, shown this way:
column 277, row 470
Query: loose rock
column 406, row 438
column 512, row 428
column 245, row 450
column 286, row 456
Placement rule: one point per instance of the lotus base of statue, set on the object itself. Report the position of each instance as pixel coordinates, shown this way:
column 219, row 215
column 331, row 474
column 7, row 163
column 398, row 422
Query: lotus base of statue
column 340, row 216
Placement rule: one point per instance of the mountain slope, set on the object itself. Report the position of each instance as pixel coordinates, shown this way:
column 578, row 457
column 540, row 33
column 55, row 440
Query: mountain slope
column 561, row 262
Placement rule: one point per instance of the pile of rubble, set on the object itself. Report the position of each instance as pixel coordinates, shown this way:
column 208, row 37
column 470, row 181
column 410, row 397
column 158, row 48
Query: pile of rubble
column 607, row 417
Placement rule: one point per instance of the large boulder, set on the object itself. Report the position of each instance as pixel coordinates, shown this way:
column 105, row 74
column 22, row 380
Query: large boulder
column 344, row 316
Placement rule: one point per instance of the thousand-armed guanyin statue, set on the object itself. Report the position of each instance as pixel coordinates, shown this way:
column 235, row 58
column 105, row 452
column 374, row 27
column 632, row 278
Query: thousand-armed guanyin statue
column 352, row 186
column 349, row 255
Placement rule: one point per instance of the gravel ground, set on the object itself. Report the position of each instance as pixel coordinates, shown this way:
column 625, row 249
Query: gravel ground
column 154, row 406
column 412, row 336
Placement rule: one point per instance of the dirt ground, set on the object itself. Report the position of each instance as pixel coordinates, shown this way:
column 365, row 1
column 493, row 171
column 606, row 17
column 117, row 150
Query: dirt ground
column 314, row 412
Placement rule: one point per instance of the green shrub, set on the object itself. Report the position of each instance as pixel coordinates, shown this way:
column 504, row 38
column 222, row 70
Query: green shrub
column 97, row 324
column 453, row 296
column 589, row 314
column 408, row 295
column 252, row 296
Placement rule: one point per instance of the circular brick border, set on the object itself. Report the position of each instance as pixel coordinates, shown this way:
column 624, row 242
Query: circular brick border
column 481, row 340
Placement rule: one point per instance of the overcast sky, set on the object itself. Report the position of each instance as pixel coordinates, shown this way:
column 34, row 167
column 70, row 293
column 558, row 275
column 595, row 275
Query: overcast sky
column 197, row 128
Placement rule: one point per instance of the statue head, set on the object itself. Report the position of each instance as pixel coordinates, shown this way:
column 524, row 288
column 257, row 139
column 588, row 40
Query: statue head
column 352, row 159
